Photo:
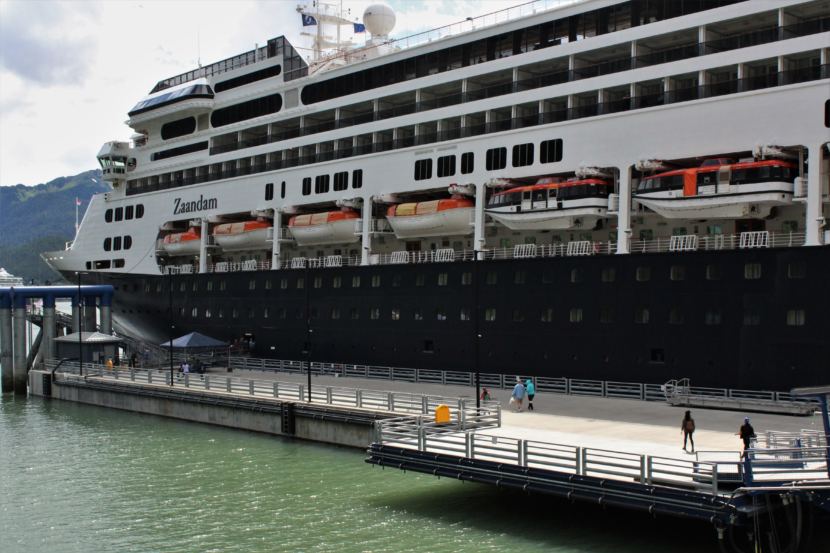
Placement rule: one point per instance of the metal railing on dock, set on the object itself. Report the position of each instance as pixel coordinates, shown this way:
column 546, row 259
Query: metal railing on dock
column 393, row 402
column 706, row 473
column 556, row 385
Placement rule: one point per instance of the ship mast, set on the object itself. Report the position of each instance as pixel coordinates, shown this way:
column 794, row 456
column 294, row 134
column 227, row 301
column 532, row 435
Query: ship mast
column 325, row 14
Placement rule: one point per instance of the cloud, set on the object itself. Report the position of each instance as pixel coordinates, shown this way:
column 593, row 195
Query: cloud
column 47, row 43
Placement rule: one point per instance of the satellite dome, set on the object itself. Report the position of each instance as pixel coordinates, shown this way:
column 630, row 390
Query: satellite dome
column 379, row 19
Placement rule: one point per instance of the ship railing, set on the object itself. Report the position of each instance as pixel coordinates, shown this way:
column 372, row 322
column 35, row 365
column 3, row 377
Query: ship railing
column 68, row 244
column 714, row 242
column 464, row 413
column 802, row 438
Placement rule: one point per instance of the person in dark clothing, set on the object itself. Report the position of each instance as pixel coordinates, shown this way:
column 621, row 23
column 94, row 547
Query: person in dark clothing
column 687, row 428
column 746, row 432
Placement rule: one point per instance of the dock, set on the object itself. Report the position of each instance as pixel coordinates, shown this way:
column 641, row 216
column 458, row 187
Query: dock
column 620, row 453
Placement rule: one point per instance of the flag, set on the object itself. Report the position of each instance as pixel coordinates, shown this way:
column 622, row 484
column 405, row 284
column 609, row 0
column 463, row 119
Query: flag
column 77, row 201
column 359, row 28
column 308, row 20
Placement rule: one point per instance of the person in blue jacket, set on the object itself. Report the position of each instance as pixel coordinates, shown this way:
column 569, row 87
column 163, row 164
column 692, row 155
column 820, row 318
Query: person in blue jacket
column 518, row 395
column 530, row 388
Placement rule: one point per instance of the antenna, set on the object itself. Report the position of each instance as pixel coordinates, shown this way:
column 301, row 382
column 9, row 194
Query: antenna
column 198, row 46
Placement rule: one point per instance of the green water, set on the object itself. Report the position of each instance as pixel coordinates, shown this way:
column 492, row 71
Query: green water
column 75, row 478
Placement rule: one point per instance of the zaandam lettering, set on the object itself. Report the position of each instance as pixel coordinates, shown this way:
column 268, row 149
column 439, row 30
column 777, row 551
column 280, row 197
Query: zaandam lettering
column 194, row 205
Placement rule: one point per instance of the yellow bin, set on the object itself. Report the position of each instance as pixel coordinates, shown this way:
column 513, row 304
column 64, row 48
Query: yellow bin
column 442, row 414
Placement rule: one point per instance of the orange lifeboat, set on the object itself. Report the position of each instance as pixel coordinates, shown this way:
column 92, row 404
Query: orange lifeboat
column 447, row 217
column 182, row 243
column 244, row 235
column 327, row 227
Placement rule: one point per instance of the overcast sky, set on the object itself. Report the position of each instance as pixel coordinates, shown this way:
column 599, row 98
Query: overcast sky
column 71, row 70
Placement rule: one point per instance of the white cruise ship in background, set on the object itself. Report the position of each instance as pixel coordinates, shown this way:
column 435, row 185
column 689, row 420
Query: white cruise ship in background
column 623, row 190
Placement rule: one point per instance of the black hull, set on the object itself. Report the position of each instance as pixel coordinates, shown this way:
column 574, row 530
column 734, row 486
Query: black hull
column 730, row 331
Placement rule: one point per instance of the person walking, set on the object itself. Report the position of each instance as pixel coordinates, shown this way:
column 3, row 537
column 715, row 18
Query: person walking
column 531, row 391
column 687, row 428
column 518, row 395
column 747, row 433
column 485, row 394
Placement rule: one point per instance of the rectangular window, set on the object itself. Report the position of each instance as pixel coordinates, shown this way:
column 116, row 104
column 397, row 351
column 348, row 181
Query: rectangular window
column 675, row 316
column 375, row 281
column 677, row 272
column 128, row 212
column 282, row 190
column 550, row 151
column 796, row 317
column 284, row 284
column 446, row 166
column 496, row 159
column 713, row 272
column 464, row 315
column 609, row 274
column 606, row 315
column 341, row 180
column 396, row 313
column 796, row 270
column 490, row 314
column 116, row 243
column 357, row 178
column 337, row 282
column 466, row 279
column 356, row 281
column 576, row 275
column 642, row 316
column 443, row 279
column 269, row 191
column 713, row 317
column 440, row 314
column 467, row 163
column 318, row 282
column 321, row 184
column 252, row 284
column 491, row 278
column 335, row 313
column 119, row 213
column 752, row 317
column 306, row 186
column 518, row 316
column 575, row 315
column 423, row 169
column 643, row 274
column 418, row 315
column 752, row 271
column 354, row 313
column 519, row 277
column 522, row 155
column 300, row 283
column 420, row 279
column 374, row 313
column 546, row 315
column 396, row 281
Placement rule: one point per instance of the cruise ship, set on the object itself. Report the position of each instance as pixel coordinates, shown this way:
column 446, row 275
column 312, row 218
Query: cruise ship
column 624, row 190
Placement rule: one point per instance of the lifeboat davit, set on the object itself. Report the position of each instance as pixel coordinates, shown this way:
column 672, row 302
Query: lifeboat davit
column 720, row 189
column 447, row 217
column 244, row 235
column 328, row 227
column 182, row 243
column 552, row 204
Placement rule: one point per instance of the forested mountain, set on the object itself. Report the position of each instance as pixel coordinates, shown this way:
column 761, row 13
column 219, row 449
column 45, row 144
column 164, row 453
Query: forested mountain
column 34, row 219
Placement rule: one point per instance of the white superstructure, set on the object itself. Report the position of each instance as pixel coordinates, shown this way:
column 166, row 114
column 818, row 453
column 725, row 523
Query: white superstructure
column 631, row 89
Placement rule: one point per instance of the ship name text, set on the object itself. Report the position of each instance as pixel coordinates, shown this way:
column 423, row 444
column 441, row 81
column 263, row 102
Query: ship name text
column 195, row 205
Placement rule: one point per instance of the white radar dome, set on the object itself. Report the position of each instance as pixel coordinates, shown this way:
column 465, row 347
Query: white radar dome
column 379, row 19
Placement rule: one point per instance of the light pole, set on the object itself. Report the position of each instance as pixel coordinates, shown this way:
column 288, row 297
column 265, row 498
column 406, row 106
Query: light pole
column 476, row 328
column 80, row 329
column 308, row 327
column 170, row 312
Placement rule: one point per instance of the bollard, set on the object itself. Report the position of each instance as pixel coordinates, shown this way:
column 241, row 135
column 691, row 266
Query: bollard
column 424, row 405
column 228, row 385
column 649, row 469
column 276, row 390
column 187, row 381
column 643, row 473
column 422, row 439
column 468, row 445
column 390, row 400
column 328, row 395
column 251, row 387
column 149, row 377
column 207, row 382
column 300, row 392
column 359, row 398
column 583, row 460
column 523, row 453
column 132, row 375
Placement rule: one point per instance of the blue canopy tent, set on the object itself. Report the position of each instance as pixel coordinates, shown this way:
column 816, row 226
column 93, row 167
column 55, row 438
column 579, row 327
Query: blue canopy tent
column 198, row 349
column 194, row 340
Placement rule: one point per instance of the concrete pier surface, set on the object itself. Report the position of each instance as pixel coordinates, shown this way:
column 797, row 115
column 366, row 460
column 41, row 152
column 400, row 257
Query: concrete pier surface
column 618, row 424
